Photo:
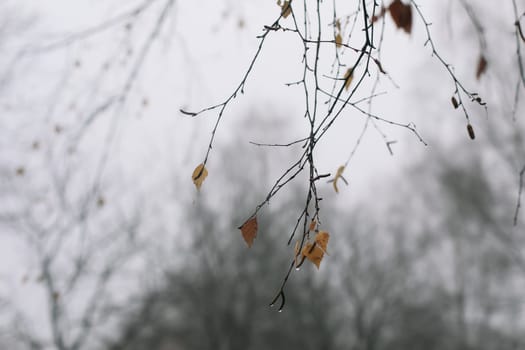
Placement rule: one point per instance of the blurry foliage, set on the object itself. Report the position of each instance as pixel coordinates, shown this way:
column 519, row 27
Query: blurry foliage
column 379, row 291
column 371, row 298
column 219, row 298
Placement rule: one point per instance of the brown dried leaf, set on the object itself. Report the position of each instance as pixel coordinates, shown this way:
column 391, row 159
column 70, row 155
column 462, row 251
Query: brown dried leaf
column 315, row 251
column 313, row 225
column 286, row 9
column 482, row 66
column 322, row 239
column 249, row 230
column 296, row 254
column 379, row 65
column 402, row 15
column 349, row 75
column 338, row 40
column 470, row 131
column 199, row 174
column 454, row 102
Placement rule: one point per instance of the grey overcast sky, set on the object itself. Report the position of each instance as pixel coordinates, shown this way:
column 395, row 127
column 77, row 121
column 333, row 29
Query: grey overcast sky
column 201, row 53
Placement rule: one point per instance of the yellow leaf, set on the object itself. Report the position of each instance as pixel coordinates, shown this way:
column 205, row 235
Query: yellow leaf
column 296, row 254
column 315, row 251
column 322, row 239
column 338, row 175
column 199, row 174
column 249, row 230
column 338, row 40
column 349, row 75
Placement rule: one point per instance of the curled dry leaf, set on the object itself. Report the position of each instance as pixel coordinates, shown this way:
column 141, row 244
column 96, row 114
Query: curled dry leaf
column 454, row 102
column 315, row 251
column 482, row 66
column 349, row 75
column 297, row 263
column 379, row 65
column 338, row 40
column 338, row 175
column 322, row 239
column 199, row 175
column 470, row 131
column 401, row 15
column 249, row 230
column 313, row 225
column 286, row 9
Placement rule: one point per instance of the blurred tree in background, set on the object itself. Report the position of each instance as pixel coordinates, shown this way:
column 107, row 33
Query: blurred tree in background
column 387, row 285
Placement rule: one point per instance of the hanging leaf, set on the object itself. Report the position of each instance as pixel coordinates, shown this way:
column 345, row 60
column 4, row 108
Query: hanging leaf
column 313, row 225
column 315, row 251
column 349, row 75
column 470, row 131
column 338, row 175
column 286, row 9
column 297, row 263
column 376, row 18
column 454, row 102
column 402, row 15
column 249, row 230
column 322, row 239
column 482, row 66
column 338, row 40
column 199, row 174
column 379, row 65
